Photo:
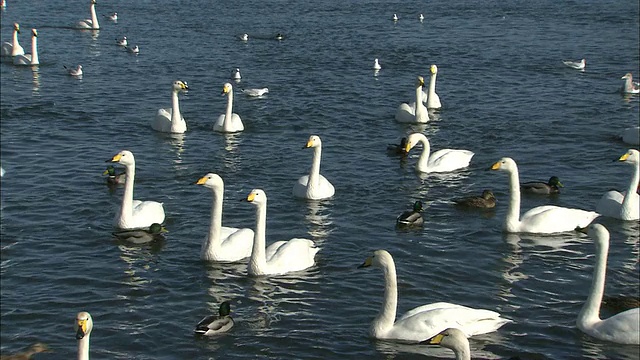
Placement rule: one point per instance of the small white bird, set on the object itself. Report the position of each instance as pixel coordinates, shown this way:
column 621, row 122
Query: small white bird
column 395, row 17
column 133, row 49
column 279, row 36
column 630, row 87
column 122, row 41
column 74, row 72
column 421, row 17
column 244, row 37
column 235, row 74
column 578, row 65
column 376, row 65
column 255, row 92
column 113, row 17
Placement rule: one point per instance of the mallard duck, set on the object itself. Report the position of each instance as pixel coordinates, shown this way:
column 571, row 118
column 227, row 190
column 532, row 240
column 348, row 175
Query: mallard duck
column 114, row 178
column 395, row 149
column 411, row 217
column 486, row 201
column 142, row 236
column 216, row 324
column 28, row 353
column 541, row 188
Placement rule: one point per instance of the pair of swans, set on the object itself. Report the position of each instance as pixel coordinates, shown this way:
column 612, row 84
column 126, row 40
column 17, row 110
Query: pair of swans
column 29, row 59
column 414, row 113
column 228, row 122
column 83, row 326
column 623, row 205
column 90, row 23
column 170, row 120
column 13, row 48
column 134, row 214
column 314, row 186
column 622, row 328
column 546, row 219
column 443, row 160
column 423, row 322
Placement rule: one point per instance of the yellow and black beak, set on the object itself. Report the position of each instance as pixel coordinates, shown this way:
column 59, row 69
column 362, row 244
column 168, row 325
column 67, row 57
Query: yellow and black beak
column 495, row 166
column 624, row 157
column 201, row 181
column 115, row 158
column 367, row 262
column 251, row 196
column 82, row 329
column 436, row 340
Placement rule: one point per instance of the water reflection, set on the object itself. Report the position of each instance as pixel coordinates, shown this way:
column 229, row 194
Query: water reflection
column 230, row 158
column 393, row 349
column 319, row 220
column 35, row 72
column 139, row 260
column 177, row 143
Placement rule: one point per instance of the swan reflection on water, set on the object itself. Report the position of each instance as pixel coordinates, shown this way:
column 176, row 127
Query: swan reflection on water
column 319, row 220
column 35, row 72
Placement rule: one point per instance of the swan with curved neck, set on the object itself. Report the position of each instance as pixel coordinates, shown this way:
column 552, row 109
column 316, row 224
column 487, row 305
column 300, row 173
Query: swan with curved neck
column 432, row 99
column 546, row 219
column 13, row 48
column 83, row 326
column 455, row 340
column 134, row 214
column 622, row 328
column 443, row 160
column 224, row 244
column 626, row 205
column 229, row 121
column 93, row 22
column 170, row 120
column 314, row 186
column 414, row 113
column 426, row 321
column 29, row 59
column 282, row 256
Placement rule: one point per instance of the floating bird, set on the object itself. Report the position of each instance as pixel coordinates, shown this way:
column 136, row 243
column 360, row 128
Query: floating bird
column 113, row 17
column 578, row 65
column 630, row 87
column 255, row 92
column 228, row 122
column 376, row 64
column 28, row 353
column 394, row 17
column 29, row 59
column 624, row 205
column 216, row 324
column 13, row 48
column 83, row 326
column 142, row 236
column 416, row 112
column 314, row 186
column 74, row 72
column 122, row 41
column 170, row 120
column 90, row 23
column 114, row 178
column 133, row 49
column 421, row 18
column 541, row 188
column 395, row 149
column 235, row 74
column 443, row 160
column 486, row 201
column 244, row 37
column 279, row 36
column 453, row 339
column 411, row 217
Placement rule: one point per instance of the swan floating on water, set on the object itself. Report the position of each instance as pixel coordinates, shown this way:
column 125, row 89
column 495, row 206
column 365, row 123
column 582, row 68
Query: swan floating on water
column 29, row 59
column 83, row 326
column 625, row 205
column 630, row 87
column 216, row 324
column 314, row 186
column 432, row 99
column 90, row 23
column 415, row 113
column 170, row 120
column 228, row 122
column 74, row 71
column 444, row 160
column 13, row 48
column 578, row 65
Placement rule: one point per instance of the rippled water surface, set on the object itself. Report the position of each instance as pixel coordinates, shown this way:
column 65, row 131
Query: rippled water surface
column 505, row 92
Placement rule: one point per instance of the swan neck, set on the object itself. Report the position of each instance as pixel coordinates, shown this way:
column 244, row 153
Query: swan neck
column 590, row 312
column 628, row 84
column 630, row 202
column 258, row 262
column 423, row 160
column 83, row 348
column 212, row 242
column 512, row 218
column 94, row 17
column 420, row 108
column 126, row 210
column 385, row 319
column 15, row 38
column 462, row 352
column 314, row 173
column 229, row 113
column 176, row 117
column 432, row 85
column 34, row 50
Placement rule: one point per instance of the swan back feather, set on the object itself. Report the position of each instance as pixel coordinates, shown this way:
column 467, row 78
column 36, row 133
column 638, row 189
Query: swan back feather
column 444, row 160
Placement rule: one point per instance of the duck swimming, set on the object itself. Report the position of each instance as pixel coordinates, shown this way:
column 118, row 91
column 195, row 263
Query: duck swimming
column 142, row 236
column 28, row 353
column 411, row 217
column 486, row 201
column 395, row 149
column 216, row 324
column 541, row 188
column 114, row 177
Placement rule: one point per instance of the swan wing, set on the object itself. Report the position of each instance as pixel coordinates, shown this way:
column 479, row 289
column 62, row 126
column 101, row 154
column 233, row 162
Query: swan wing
column 7, row 48
column 293, row 255
column 621, row 328
column 22, row 60
column 162, row 121
column 433, row 102
column 236, row 241
column 146, row 213
column 406, row 114
column 449, row 159
column 610, row 204
column 550, row 219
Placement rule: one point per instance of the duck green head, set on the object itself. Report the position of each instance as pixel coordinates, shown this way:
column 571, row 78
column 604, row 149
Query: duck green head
column 225, row 308
column 110, row 170
column 417, row 206
column 554, row 181
column 156, row 228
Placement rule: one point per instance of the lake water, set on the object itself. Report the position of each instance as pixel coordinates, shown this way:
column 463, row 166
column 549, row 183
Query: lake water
column 505, row 92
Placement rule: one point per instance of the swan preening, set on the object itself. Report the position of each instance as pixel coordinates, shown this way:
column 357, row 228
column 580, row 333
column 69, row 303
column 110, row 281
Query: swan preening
column 134, row 214
column 426, row 321
column 314, row 186
column 622, row 328
column 578, row 65
column 13, row 48
column 455, row 340
column 630, row 87
column 623, row 205
column 83, row 326
column 216, row 324
column 414, row 113
column 282, row 256
column 443, row 160
column 546, row 219
column 229, row 121
column 77, row 71
column 223, row 243
column 90, row 23
column 170, row 120
column 29, row 59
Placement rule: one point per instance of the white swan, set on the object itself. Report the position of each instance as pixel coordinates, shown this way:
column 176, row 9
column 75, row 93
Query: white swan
column 134, row 214
column 282, row 256
column 432, row 99
column 228, row 122
column 83, row 326
column 454, row 339
column 314, row 186
column 376, row 64
column 630, row 87
column 170, row 120
column 29, row 59
column 578, row 65
column 622, row 328
column 546, row 219
column 223, row 243
column 13, row 48
column 443, row 160
column 631, row 135
column 625, row 205
column 426, row 321
column 90, row 23
column 415, row 113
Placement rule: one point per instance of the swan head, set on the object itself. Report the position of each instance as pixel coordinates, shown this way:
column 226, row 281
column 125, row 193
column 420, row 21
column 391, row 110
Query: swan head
column 179, row 85
column 597, row 232
column 419, row 81
column 314, row 141
column 434, row 69
column 211, row 180
column 451, row 338
column 632, row 157
column 226, row 88
column 414, row 139
column 34, row 32
column 257, row 197
column 380, row 259
column 504, row 164
column 627, row 76
column 124, row 157
column 16, row 27
column 83, row 325
column 93, row 2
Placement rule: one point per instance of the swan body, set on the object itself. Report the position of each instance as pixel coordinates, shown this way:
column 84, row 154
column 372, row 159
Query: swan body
column 13, row 48
column 83, row 326
column 255, row 92
column 376, row 65
column 486, row 201
column 90, row 23
column 631, row 135
column 228, row 122
column 282, row 256
column 224, row 244
column 27, row 354
column 622, row 328
column 455, row 340
column 426, row 321
column 170, row 120
column 114, row 178
column 314, row 186
column 135, row 214
column 235, row 74
column 626, row 205
column 29, row 59
column 74, row 71
column 546, row 219
column 630, row 87
column 415, row 113
column 578, row 65
column 216, row 324
column 142, row 236
column 444, row 160
column 432, row 99
column 411, row 217
column 541, row 188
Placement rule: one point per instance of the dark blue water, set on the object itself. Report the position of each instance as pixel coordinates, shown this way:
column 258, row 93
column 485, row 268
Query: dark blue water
column 505, row 92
